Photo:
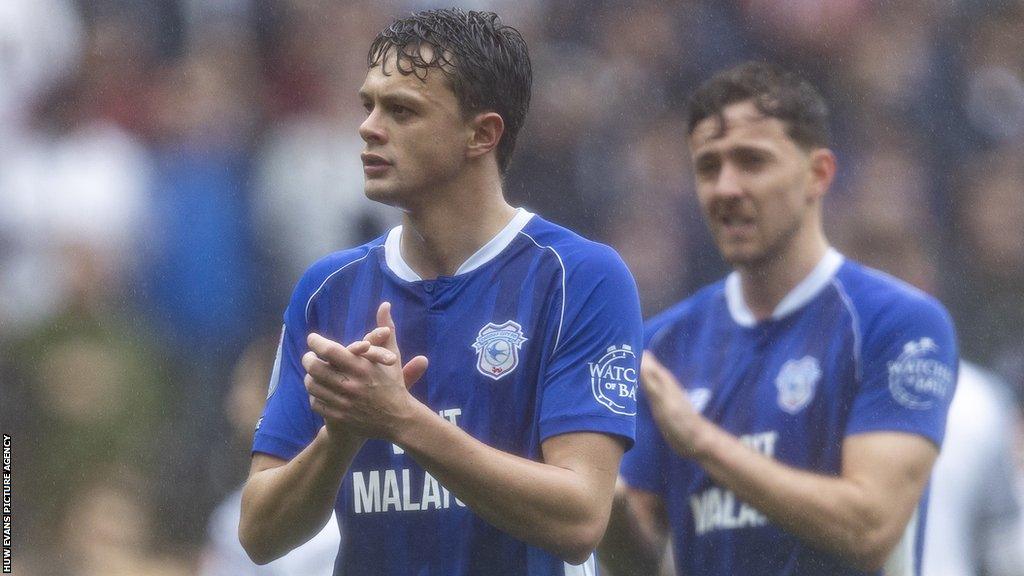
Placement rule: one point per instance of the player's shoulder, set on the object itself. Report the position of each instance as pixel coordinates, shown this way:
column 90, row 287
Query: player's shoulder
column 573, row 251
column 705, row 301
column 887, row 311
column 882, row 304
column 320, row 272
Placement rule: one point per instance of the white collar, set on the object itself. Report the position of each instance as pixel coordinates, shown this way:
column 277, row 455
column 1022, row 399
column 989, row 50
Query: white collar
column 801, row 294
column 486, row 253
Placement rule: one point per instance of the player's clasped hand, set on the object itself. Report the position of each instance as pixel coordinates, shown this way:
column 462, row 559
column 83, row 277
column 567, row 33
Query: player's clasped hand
column 361, row 388
column 670, row 405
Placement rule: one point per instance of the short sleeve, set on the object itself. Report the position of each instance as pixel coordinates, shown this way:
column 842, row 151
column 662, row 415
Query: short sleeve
column 590, row 382
column 908, row 371
column 288, row 423
column 643, row 466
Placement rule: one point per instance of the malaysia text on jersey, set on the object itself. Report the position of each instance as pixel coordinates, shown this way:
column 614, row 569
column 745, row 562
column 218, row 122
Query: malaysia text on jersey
column 537, row 334
column 849, row 350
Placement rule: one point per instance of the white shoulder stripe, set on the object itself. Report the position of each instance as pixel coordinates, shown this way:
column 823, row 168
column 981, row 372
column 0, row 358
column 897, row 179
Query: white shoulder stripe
column 854, row 325
column 588, row 568
column 324, row 283
column 558, row 335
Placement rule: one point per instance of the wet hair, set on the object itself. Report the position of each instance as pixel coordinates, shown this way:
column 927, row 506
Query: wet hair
column 486, row 63
column 776, row 92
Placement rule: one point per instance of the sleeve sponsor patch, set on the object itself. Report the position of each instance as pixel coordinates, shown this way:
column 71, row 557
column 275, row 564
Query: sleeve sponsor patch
column 613, row 379
column 917, row 377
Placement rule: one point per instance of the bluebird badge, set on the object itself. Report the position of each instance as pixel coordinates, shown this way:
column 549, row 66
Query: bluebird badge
column 497, row 348
column 796, row 383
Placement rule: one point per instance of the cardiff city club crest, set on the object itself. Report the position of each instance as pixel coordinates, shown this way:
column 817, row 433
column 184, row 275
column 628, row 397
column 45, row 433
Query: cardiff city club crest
column 497, row 348
column 796, row 383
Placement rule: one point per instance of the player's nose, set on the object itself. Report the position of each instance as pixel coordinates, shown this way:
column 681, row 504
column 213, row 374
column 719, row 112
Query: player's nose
column 728, row 183
column 371, row 130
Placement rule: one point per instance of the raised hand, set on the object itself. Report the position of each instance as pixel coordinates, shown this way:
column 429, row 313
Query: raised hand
column 383, row 347
column 360, row 388
column 670, row 405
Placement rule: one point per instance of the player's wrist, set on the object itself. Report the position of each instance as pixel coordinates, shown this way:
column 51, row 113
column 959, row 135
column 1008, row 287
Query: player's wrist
column 701, row 438
column 339, row 439
column 409, row 425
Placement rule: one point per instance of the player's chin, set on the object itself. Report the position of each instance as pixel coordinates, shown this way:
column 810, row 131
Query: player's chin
column 380, row 192
column 740, row 253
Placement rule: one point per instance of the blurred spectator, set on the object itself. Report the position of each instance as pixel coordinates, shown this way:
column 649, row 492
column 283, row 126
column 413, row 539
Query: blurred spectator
column 199, row 288
column 974, row 515
column 200, row 256
column 95, row 393
column 994, row 79
column 888, row 198
column 662, row 200
column 84, row 187
column 40, row 42
column 68, row 176
column 309, row 198
column 805, row 26
column 223, row 554
column 893, row 56
column 568, row 166
column 988, row 281
column 109, row 531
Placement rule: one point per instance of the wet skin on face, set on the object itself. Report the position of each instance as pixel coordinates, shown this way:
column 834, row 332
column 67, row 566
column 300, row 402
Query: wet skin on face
column 415, row 133
column 753, row 183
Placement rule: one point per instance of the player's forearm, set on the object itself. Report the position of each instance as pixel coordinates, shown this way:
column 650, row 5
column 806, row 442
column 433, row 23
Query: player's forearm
column 632, row 545
column 284, row 507
column 827, row 512
column 545, row 505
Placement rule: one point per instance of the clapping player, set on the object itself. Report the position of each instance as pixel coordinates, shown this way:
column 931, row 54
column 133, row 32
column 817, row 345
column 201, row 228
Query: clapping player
column 792, row 412
column 501, row 456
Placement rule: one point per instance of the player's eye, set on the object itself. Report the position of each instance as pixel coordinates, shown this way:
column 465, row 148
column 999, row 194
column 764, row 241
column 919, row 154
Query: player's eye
column 707, row 167
column 368, row 107
column 751, row 161
column 400, row 111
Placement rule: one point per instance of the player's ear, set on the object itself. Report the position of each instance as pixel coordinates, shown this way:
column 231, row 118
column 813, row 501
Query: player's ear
column 487, row 130
column 823, row 171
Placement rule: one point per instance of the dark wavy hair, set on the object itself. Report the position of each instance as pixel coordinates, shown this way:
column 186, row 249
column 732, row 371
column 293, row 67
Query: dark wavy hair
column 776, row 92
column 485, row 61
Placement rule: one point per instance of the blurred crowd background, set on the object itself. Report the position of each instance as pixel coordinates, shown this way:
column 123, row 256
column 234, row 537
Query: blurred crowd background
column 168, row 168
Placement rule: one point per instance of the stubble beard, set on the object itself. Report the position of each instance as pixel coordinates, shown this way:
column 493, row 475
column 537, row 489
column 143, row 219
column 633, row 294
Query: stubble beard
column 767, row 252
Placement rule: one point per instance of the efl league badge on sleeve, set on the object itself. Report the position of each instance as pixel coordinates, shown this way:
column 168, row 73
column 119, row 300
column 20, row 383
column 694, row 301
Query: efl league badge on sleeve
column 497, row 348
column 613, row 379
column 916, row 378
column 796, row 383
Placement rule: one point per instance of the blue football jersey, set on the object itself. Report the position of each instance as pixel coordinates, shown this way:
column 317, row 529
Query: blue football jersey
column 850, row 350
column 536, row 335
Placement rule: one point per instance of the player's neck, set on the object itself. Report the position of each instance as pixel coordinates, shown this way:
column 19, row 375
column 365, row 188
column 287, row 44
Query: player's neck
column 767, row 283
column 440, row 235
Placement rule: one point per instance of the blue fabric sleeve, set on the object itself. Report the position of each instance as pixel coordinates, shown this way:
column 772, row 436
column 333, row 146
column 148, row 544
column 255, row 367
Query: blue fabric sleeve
column 590, row 381
column 288, row 423
column 643, row 467
column 907, row 370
